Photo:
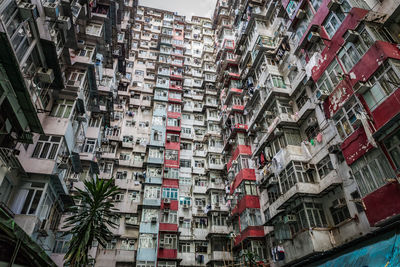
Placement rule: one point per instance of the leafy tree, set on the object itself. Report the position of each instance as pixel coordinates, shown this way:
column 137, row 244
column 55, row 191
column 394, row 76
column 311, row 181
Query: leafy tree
column 90, row 219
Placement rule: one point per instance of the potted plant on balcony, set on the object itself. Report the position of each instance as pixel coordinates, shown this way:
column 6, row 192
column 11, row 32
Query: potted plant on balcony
column 91, row 219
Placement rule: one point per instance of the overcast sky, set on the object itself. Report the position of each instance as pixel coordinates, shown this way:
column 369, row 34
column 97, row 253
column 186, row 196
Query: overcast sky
column 188, row 8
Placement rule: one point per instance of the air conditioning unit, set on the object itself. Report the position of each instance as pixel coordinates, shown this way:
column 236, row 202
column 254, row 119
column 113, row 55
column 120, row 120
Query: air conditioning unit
column 234, row 162
column 185, row 206
column 313, row 37
column 161, row 245
column 351, row 36
column 333, row 5
column 361, row 87
column 321, row 95
column 51, row 10
column 312, row 121
column 167, row 201
column 153, row 219
column 64, row 22
column 42, row 229
column 199, row 208
column 168, row 138
column 216, row 205
column 137, row 141
column 278, row 132
column 300, row 14
column 289, row 219
column 45, row 75
column 180, row 219
column 28, row 11
column 334, row 149
column 339, row 203
column 268, row 114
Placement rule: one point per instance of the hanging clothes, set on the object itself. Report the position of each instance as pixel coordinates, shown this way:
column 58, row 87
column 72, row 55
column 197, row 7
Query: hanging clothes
column 262, row 159
column 319, row 138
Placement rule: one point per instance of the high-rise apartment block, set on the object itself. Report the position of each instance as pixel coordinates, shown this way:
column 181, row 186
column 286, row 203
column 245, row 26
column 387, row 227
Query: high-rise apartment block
column 267, row 135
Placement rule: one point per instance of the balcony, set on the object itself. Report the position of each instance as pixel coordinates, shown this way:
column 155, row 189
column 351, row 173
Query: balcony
column 382, row 204
column 221, row 256
column 306, row 243
column 328, row 182
column 250, row 232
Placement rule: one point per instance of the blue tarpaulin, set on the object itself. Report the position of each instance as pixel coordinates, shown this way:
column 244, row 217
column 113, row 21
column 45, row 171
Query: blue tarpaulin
column 382, row 251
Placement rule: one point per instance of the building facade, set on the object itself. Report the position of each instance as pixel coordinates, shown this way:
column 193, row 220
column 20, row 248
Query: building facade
column 267, row 133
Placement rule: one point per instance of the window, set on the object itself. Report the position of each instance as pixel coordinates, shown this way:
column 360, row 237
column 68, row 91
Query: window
column 324, row 166
column 169, row 216
column 128, row 244
column 90, row 145
column 173, row 138
column 62, row 108
column 186, row 146
column 172, row 173
column 106, row 167
column 147, row 241
column 352, row 52
column 170, row 241
column 199, row 163
column 28, row 198
column 134, row 196
column 171, row 193
column 95, row 122
column 278, row 81
column 200, row 223
column 145, row 264
column 250, row 217
column 330, row 78
column 93, row 29
column 346, row 119
column 173, row 122
column 339, row 211
column 292, row 174
column 218, row 219
column 371, row 171
column 47, row 147
column 86, row 52
column 152, row 192
column 308, row 215
column 185, row 201
column 155, row 153
column 185, row 180
column 171, row 154
column 335, row 19
column 384, row 81
column 166, row 264
column 61, row 243
column 392, row 145
column 184, row 247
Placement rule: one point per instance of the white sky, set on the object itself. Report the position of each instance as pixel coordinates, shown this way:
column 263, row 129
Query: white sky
column 188, row 8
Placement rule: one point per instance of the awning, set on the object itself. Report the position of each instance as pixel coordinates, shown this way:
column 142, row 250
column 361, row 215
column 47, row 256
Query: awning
column 383, row 250
column 10, row 229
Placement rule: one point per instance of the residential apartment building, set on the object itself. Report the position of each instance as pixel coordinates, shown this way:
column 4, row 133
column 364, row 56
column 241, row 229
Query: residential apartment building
column 270, row 128
column 306, row 88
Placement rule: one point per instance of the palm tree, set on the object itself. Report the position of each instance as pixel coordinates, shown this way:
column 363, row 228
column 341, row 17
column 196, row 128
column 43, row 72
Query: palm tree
column 90, row 219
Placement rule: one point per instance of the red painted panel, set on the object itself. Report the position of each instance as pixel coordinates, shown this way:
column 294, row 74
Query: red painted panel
column 167, row 253
column 240, row 149
column 174, row 115
column 171, row 163
column 387, row 110
column 168, row 227
column 362, row 71
column 244, row 174
column 238, row 107
column 250, row 232
column 173, row 183
column 355, row 146
column 251, row 202
column 173, row 205
column 383, row 203
column 350, row 22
